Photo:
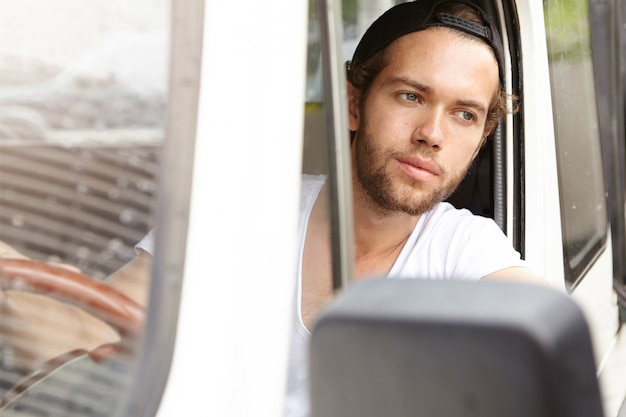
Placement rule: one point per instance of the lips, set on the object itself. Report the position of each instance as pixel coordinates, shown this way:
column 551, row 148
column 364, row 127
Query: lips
column 418, row 168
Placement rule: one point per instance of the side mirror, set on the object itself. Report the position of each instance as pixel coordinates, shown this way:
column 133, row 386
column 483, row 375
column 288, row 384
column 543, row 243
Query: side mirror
column 398, row 348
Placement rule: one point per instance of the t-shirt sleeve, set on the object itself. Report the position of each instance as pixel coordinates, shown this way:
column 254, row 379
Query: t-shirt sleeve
column 482, row 248
column 451, row 244
column 146, row 244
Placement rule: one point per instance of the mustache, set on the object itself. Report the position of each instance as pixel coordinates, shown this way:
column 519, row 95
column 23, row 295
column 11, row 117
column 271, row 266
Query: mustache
column 425, row 154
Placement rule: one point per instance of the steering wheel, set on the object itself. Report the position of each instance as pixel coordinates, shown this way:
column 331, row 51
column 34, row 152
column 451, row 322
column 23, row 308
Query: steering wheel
column 94, row 297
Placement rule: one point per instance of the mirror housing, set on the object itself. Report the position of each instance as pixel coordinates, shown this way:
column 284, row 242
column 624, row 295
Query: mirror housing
column 406, row 347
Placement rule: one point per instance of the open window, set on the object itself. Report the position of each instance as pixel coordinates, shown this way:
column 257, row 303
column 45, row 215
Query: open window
column 88, row 104
column 484, row 189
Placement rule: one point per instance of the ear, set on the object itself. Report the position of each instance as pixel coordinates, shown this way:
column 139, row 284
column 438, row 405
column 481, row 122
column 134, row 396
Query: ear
column 490, row 126
column 483, row 140
column 354, row 118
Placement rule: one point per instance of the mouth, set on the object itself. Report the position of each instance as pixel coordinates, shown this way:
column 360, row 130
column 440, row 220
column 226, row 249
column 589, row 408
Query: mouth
column 418, row 169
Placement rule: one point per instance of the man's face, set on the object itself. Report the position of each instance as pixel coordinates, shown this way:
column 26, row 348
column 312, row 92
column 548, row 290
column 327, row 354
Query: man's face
column 423, row 120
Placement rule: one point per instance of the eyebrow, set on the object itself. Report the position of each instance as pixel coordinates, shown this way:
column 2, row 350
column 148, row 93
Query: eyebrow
column 412, row 83
column 477, row 106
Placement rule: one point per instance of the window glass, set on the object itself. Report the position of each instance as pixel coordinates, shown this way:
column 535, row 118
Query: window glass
column 318, row 139
column 317, row 165
column 318, row 204
column 83, row 100
column 583, row 208
column 315, row 168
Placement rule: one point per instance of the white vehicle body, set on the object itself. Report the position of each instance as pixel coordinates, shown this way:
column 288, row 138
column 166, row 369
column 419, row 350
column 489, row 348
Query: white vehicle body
column 542, row 232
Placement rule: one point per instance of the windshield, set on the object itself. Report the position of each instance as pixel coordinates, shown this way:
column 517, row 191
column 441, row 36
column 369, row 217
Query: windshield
column 83, row 106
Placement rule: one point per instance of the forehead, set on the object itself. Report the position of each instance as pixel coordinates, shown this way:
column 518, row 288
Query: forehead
column 442, row 57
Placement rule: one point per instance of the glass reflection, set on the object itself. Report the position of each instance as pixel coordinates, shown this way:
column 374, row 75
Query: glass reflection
column 83, row 101
column 576, row 124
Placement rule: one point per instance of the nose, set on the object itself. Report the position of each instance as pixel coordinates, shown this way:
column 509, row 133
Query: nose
column 429, row 130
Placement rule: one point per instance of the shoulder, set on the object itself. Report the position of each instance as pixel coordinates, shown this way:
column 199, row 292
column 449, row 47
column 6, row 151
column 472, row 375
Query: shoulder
column 312, row 182
column 460, row 245
column 445, row 217
column 459, row 230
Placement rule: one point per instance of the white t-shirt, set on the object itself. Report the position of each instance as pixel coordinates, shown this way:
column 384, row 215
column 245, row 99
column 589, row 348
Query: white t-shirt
column 446, row 243
column 147, row 243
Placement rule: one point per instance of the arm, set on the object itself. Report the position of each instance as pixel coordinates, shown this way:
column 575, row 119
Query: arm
column 35, row 328
column 516, row 274
column 133, row 279
column 9, row 252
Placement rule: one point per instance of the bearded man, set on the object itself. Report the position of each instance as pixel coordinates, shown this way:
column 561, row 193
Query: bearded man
column 425, row 90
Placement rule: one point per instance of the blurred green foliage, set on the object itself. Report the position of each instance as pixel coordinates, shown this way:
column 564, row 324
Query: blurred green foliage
column 567, row 29
column 348, row 10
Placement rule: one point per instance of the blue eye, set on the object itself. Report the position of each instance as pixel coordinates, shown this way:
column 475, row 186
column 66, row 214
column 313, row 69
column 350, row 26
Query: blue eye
column 466, row 115
column 410, row 96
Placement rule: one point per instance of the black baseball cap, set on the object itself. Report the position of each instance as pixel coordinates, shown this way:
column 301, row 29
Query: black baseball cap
column 417, row 15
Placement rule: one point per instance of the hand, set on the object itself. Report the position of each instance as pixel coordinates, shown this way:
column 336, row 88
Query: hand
column 35, row 328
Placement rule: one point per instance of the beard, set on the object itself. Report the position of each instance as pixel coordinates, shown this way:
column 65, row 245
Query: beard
column 404, row 195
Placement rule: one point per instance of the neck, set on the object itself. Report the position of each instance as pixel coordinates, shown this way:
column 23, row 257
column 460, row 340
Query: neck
column 378, row 237
column 376, row 231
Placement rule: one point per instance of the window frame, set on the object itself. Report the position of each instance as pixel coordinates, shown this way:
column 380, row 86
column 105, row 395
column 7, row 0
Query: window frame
column 173, row 202
column 575, row 274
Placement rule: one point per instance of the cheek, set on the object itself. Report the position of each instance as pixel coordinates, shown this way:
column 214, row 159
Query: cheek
column 461, row 156
column 465, row 140
column 394, row 129
column 384, row 116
